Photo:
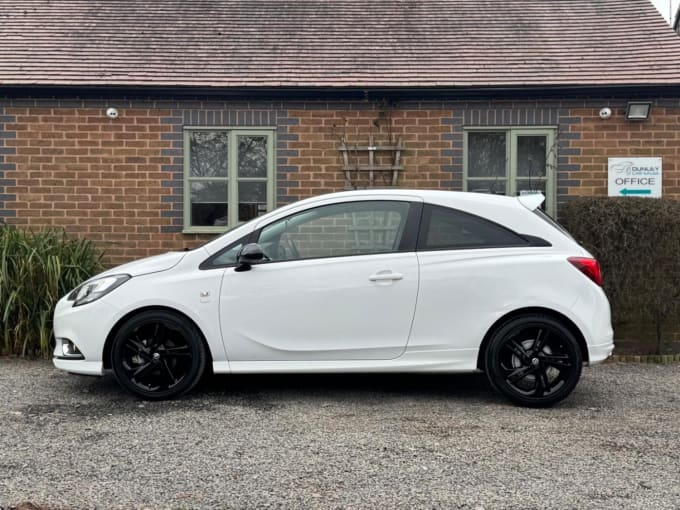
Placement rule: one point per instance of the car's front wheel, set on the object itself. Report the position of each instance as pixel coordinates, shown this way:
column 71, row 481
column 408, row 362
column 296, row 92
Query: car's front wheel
column 534, row 360
column 158, row 355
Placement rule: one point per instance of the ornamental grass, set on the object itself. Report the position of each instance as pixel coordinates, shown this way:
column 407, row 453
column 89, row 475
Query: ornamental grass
column 36, row 270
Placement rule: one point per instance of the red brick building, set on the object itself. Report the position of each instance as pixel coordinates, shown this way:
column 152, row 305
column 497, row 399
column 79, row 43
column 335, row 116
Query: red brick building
column 227, row 109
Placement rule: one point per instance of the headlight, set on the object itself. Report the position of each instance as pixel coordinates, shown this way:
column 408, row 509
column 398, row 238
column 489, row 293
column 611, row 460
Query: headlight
column 94, row 289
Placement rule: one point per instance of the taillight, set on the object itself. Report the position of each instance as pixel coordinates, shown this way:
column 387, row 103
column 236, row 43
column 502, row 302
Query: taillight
column 589, row 267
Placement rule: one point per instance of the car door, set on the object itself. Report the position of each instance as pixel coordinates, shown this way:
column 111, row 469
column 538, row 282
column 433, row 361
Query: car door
column 341, row 284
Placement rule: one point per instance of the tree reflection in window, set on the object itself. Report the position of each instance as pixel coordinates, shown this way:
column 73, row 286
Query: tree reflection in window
column 252, row 176
column 209, row 170
column 209, row 154
column 487, row 162
column 252, row 156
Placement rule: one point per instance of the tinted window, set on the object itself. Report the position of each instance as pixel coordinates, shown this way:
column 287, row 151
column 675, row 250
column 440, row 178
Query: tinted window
column 445, row 228
column 351, row 228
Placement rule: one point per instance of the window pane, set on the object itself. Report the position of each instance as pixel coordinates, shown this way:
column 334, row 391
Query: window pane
column 252, row 199
column 209, row 203
column 208, row 153
column 486, row 154
column 209, row 191
column 450, row 229
column 209, row 214
column 337, row 230
column 252, row 156
column 531, row 156
column 492, row 186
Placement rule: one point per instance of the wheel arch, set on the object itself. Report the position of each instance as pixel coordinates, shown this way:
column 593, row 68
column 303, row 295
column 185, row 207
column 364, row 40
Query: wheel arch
column 106, row 355
column 573, row 328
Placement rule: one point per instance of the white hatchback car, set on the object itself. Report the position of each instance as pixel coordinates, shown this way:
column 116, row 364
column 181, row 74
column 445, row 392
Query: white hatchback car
column 359, row 281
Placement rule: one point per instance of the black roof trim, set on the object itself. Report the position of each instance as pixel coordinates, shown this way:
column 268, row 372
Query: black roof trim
column 347, row 93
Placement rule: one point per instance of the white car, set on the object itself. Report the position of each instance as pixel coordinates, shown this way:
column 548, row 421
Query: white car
column 359, row 281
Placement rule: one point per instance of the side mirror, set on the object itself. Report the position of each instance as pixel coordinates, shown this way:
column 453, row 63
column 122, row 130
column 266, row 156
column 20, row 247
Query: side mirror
column 250, row 254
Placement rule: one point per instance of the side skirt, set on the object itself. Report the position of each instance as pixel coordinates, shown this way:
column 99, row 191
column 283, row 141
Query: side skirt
column 460, row 360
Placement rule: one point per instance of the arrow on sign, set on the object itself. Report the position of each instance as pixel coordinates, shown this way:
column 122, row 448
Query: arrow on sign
column 626, row 191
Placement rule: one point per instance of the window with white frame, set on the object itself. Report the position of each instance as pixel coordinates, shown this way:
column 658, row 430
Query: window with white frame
column 511, row 161
column 228, row 177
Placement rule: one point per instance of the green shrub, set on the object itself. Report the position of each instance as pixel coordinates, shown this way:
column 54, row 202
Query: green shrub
column 36, row 269
column 637, row 242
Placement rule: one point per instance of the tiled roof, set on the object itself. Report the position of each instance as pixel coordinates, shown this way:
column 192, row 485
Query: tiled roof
column 336, row 43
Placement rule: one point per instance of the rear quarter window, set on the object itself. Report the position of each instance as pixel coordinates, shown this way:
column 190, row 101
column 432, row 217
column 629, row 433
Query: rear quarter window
column 443, row 228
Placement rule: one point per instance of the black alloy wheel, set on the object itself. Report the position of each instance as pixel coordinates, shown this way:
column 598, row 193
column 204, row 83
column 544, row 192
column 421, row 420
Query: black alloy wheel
column 158, row 355
column 534, row 360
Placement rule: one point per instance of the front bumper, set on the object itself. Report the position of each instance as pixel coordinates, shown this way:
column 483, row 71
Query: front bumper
column 79, row 366
column 86, row 327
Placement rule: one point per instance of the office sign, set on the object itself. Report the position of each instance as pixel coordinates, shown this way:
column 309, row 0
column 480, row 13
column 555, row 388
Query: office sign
column 635, row 177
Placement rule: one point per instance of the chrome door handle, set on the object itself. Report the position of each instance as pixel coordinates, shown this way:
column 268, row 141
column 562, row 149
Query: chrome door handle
column 385, row 276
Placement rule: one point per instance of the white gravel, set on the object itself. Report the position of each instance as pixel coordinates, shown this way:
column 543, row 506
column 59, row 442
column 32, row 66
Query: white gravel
column 397, row 441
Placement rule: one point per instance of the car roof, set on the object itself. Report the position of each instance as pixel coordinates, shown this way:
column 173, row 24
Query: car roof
column 425, row 194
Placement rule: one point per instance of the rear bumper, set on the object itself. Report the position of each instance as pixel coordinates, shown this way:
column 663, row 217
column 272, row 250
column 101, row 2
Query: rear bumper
column 592, row 315
column 597, row 353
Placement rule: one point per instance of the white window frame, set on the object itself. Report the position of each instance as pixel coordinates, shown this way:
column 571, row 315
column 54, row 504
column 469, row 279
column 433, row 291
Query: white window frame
column 232, row 178
column 511, row 134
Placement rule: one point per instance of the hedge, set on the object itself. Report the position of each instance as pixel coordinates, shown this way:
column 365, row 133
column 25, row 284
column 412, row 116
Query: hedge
column 637, row 242
column 36, row 269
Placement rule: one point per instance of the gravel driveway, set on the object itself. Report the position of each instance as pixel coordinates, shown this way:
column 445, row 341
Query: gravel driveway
column 397, row 441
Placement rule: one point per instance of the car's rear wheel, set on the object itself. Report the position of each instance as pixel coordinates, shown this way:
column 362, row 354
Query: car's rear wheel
column 158, row 355
column 534, row 360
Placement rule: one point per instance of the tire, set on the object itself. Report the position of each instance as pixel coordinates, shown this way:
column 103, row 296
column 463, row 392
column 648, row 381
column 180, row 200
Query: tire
column 533, row 360
column 158, row 355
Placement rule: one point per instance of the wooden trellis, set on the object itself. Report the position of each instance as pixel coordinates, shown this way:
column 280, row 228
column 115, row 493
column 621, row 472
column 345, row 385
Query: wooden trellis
column 351, row 155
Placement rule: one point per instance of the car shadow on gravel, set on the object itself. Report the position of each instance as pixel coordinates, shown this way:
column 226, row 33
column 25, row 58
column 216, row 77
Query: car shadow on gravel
column 343, row 386
column 102, row 396
column 258, row 388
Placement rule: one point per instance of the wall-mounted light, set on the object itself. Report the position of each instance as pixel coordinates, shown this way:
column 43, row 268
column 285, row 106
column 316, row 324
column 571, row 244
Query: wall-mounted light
column 638, row 110
column 112, row 113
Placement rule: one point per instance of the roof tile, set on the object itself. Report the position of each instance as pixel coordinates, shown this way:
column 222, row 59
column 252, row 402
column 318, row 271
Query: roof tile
column 336, row 43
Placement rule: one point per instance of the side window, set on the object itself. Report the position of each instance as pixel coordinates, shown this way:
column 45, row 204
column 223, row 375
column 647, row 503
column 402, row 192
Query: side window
column 449, row 229
column 337, row 230
column 225, row 257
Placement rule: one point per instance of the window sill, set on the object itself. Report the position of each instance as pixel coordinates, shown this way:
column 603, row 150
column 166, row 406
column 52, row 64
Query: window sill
column 205, row 230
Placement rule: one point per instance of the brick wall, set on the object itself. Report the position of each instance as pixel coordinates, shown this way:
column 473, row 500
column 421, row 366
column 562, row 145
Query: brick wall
column 63, row 163
column 100, row 179
column 317, row 166
column 117, row 181
column 591, row 140
column 7, row 182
